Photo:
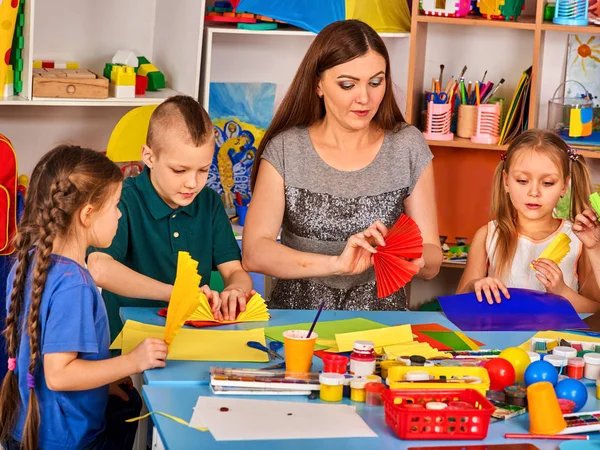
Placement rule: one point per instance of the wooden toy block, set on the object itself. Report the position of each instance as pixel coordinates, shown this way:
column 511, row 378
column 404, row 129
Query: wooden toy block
column 69, row 83
column 120, row 91
column 141, row 84
column 122, row 76
column 125, row 58
column 48, row 64
column 37, row 64
column 156, row 81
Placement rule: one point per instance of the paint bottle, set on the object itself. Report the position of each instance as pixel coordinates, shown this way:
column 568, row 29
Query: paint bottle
column 592, row 366
column 362, row 359
column 332, row 386
column 575, row 368
column 357, row 389
column 374, row 391
column 598, row 389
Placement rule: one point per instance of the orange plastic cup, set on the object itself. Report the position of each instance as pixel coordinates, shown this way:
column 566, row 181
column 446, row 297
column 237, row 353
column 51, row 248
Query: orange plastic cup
column 545, row 416
column 298, row 350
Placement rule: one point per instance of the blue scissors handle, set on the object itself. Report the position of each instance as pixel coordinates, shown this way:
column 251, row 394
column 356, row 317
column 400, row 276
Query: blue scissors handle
column 440, row 98
column 259, row 346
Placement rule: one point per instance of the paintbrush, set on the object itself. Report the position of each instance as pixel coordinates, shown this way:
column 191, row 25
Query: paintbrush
column 312, row 327
column 484, row 75
column 441, row 73
column 462, row 74
column 491, row 94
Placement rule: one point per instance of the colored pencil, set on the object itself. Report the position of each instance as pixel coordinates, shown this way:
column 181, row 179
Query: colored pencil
column 491, row 94
column 554, row 437
column 477, row 93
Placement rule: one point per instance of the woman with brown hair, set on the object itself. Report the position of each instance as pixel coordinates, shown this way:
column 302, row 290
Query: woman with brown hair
column 335, row 170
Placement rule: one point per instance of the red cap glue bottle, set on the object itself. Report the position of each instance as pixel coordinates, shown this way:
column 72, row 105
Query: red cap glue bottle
column 362, row 360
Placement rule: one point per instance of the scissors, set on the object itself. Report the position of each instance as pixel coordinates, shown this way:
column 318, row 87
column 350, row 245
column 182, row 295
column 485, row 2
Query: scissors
column 259, row 346
column 440, row 98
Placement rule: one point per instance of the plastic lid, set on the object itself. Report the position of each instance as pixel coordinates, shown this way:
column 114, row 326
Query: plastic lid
column 364, row 345
column 533, row 356
column 332, row 379
column 417, row 360
column 569, row 352
column 358, row 383
column 436, row 406
column 592, row 358
column 556, row 360
column 374, row 378
column 576, row 362
column 416, row 375
column 375, row 387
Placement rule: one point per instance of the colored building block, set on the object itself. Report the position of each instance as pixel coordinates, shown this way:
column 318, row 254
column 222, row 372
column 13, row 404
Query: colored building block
column 107, row 70
column 37, row 64
column 141, row 84
column 117, row 91
column 145, row 69
column 125, row 58
column 60, row 64
column 156, row 81
column 223, row 4
column 18, row 65
column 142, row 60
column 72, row 65
column 122, row 76
column 48, row 64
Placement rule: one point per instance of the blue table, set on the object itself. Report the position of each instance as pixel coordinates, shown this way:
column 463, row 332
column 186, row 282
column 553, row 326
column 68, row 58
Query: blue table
column 176, row 388
column 196, row 373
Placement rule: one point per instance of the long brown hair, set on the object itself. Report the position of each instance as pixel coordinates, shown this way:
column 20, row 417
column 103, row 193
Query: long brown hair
column 502, row 210
column 63, row 181
column 336, row 44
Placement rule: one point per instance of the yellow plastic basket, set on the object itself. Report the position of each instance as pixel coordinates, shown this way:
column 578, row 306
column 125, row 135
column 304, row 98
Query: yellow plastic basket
column 396, row 376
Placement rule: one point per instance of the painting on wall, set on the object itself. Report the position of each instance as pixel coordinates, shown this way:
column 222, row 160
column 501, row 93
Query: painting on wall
column 241, row 113
column 583, row 64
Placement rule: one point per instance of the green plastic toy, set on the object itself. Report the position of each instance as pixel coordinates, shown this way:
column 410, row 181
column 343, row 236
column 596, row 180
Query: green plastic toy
column 595, row 200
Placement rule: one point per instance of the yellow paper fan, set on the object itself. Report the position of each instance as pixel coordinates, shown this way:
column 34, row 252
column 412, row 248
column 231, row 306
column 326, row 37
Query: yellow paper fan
column 186, row 295
column 557, row 249
column 256, row 311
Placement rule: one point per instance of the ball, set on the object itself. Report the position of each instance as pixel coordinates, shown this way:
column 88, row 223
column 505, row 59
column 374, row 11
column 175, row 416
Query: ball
column 501, row 372
column 519, row 360
column 540, row 371
column 574, row 390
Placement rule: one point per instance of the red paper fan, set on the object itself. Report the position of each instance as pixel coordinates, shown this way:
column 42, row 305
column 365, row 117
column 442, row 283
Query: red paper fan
column 392, row 270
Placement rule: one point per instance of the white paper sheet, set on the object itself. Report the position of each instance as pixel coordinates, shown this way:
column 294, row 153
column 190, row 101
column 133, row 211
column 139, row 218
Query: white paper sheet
column 247, row 419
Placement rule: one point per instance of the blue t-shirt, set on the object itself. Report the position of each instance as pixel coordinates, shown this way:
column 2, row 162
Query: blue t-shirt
column 72, row 319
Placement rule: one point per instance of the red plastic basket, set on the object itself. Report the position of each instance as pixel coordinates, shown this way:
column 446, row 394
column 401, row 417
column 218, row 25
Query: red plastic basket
column 411, row 424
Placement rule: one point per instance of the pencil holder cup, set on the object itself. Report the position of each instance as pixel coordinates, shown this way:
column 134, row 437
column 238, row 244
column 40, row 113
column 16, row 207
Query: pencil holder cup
column 571, row 12
column 488, row 124
column 467, row 121
column 439, row 116
column 456, row 8
column 545, row 416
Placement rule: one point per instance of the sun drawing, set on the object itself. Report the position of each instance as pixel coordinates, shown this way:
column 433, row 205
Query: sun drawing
column 586, row 51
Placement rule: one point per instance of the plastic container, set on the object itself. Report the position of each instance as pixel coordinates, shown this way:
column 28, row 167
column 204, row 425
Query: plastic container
column 357, row 390
column 575, row 368
column 333, row 363
column 592, row 366
column 466, row 124
column 438, row 120
column 299, row 350
column 567, row 352
column 362, row 359
column 397, row 378
column 598, row 389
column 545, row 416
column 417, row 375
column 374, row 391
column 332, row 387
column 571, row 12
column 373, row 378
column 533, row 356
column 571, row 113
column 558, row 362
column 515, row 395
column 447, row 424
column 488, row 124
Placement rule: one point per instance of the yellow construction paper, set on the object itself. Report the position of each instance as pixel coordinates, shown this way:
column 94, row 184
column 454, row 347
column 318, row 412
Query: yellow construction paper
column 415, row 348
column 557, row 249
column 197, row 345
column 381, row 337
column 129, row 136
column 327, row 342
column 185, row 297
column 557, row 336
column 467, row 340
column 256, row 311
column 168, row 416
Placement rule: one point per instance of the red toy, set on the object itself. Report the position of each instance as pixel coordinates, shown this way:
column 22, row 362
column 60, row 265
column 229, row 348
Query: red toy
column 8, row 196
column 392, row 270
column 501, row 372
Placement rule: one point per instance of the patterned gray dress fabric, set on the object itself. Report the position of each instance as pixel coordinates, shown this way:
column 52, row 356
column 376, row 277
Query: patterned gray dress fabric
column 325, row 206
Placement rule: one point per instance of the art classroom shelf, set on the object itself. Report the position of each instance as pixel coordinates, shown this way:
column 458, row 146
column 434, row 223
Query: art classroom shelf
column 523, row 23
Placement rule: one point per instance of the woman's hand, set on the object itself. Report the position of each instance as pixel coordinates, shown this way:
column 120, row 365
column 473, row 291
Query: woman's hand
column 550, row 276
column 491, row 288
column 360, row 248
column 587, row 229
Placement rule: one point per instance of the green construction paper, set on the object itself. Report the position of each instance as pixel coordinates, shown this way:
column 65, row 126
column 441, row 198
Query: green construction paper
column 595, row 200
column 448, row 338
column 325, row 330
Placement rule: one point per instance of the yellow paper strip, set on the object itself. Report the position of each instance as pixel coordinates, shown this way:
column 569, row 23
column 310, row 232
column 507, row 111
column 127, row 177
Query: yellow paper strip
column 168, row 416
column 197, row 345
column 467, row 340
column 381, row 337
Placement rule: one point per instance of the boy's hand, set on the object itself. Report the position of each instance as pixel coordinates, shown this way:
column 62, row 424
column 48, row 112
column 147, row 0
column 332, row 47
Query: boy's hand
column 587, row 229
column 491, row 288
column 230, row 298
column 214, row 299
column 550, row 276
column 149, row 354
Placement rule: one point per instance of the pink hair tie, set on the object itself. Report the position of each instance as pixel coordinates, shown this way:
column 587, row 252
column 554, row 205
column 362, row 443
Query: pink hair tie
column 12, row 364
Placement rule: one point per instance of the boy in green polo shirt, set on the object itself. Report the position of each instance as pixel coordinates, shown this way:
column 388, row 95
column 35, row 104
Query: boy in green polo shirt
column 166, row 209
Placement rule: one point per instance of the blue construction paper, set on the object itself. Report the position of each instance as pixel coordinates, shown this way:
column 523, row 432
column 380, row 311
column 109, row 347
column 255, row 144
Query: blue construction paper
column 526, row 310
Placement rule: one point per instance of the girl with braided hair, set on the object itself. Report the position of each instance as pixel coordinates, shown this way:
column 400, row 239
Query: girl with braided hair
column 56, row 392
column 531, row 177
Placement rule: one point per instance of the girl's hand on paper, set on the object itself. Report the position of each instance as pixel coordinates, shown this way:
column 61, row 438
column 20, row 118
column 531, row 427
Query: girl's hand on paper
column 550, row 275
column 491, row 288
column 587, row 229
column 214, row 300
column 149, row 354
column 360, row 248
